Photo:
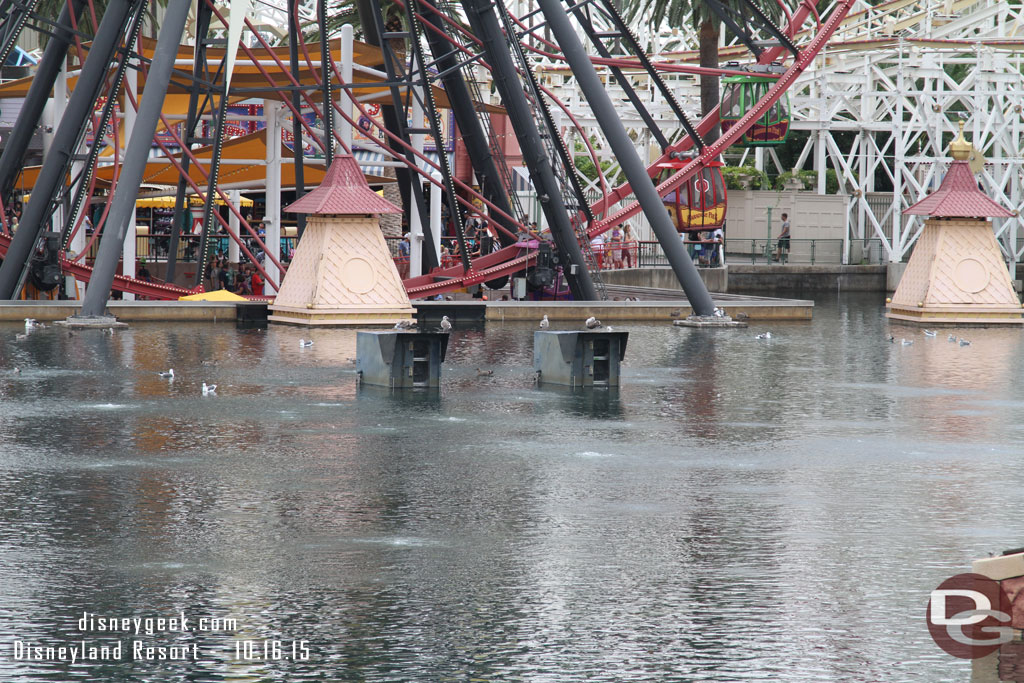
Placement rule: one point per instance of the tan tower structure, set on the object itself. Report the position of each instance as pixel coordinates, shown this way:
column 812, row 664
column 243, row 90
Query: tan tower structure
column 956, row 274
column 342, row 273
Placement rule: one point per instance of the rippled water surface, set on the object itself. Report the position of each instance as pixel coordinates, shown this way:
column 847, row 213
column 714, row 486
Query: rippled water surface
column 740, row 510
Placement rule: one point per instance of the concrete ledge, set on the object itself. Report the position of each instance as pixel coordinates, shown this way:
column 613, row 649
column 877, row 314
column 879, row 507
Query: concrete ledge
column 807, row 278
column 715, row 279
column 127, row 311
column 756, row 308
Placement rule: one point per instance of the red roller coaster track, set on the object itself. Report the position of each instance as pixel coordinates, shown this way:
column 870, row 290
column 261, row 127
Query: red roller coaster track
column 511, row 259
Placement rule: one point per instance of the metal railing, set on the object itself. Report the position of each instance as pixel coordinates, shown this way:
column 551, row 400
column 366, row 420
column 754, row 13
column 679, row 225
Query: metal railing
column 812, row 251
column 767, row 252
column 155, row 248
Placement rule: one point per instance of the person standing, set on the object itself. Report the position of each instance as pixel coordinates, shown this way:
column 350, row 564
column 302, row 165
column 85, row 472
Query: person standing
column 257, row 282
column 782, row 249
column 627, row 245
column 597, row 247
column 615, row 244
column 403, row 256
column 717, row 247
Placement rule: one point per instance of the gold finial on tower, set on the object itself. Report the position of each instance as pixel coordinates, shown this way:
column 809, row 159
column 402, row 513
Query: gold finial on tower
column 960, row 149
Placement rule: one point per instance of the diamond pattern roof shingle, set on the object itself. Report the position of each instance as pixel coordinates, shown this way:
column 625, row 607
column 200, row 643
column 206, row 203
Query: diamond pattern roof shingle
column 343, row 191
column 958, row 197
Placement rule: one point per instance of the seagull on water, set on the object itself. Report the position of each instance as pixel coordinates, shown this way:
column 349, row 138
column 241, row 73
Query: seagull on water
column 544, row 324
column 892, row 339
column 446, row 324
column 964, row 342
column 764, row 335
column 31, row 323
column 906, row 342
column 592, row 323
column 930, row 333
column 484, row 373
column 167, row 375
column 305, row 343
column 209, row 389
column 951, row 338
column 19, row 336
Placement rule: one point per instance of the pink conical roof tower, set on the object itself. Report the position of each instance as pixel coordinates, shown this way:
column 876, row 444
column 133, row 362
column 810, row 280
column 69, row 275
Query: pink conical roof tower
column 959, row 196
column 343, row 192
column 957, row 274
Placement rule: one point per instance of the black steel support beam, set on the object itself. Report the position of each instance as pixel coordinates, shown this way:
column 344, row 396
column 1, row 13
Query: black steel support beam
column 327, row 79
column 297, row 153
column 74, row 206
column 625, row 153
column 13, row 158
column 65, row 140
column 634, row 46
column 627, row 87
column 409, row 185
column 725, row 15
column 204, row 15
column 135, row 157
column 472, row 131
column 484, row 21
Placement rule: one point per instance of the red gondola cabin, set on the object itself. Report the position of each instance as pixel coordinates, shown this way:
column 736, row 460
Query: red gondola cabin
column 699, row 204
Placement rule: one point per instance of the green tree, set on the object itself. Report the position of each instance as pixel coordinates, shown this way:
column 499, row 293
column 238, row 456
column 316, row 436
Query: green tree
column 52, row 8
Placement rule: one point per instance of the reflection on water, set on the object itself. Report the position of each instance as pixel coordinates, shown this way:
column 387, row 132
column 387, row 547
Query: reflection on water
column 739, row 509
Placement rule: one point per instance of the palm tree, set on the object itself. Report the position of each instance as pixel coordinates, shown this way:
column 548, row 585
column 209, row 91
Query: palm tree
column 674, row 12
column 52, row 8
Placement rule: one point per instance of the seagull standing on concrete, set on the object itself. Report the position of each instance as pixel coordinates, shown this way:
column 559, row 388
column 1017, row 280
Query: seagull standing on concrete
column 544, row 324
column 167, row 375
column 209, row 389
column 446, row 324
column 592, row 323
column 405, row 324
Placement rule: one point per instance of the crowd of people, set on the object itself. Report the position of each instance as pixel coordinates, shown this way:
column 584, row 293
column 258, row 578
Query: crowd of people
column 706, row 248
column 243, row 279
column 615, row 249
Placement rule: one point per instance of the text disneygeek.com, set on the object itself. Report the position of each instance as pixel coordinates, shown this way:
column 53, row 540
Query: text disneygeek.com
column 108, row 647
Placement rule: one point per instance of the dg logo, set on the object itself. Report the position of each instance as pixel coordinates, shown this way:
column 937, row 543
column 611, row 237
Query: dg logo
column 969, row 616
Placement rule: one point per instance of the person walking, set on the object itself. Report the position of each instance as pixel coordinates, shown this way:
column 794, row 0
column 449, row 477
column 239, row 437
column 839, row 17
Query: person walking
column 782, row 248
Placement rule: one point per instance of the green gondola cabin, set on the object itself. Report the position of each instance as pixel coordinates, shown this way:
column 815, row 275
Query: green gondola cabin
column 699, row 204
column 739, row 95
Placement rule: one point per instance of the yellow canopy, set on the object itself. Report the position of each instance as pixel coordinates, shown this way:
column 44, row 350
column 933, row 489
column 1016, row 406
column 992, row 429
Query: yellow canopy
column 216, row 295
column 168, row 202
column 253, row 146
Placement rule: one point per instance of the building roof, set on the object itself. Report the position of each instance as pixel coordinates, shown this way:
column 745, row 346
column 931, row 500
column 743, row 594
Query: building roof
column 343, row 191
column 958, row 197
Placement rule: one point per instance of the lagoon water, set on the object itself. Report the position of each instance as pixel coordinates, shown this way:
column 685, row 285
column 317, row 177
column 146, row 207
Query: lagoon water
column 740, row 509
